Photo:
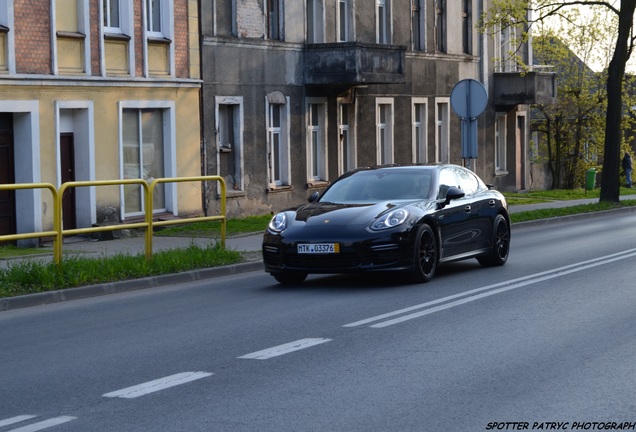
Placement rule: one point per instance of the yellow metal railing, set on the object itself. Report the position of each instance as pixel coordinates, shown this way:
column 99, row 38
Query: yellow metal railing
column 58, row 232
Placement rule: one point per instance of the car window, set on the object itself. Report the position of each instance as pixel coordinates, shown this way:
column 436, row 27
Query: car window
column 380, row 185
column 447, row 179
column 467, row 181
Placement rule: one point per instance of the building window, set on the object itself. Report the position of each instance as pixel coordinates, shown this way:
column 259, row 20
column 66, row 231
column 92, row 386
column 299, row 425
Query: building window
column 467, row 26
column 7, row 34
column 418, row 23
column 153, row 17
column 442, row 130
column 383, row 22
column 229, row 126
column 344, row 21
column 315, row 21
column 346, row 137
column 316, row 140
column 440, row 25
column 384, row 127
column 500, row 143
column 419, row 130
column 143, row 156
column 506, row 49
column 274, row 21
column 278, row 142
column 112, row 16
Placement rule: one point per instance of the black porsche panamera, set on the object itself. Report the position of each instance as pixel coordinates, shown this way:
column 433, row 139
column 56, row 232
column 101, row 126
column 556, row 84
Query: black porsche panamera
column 408, row 218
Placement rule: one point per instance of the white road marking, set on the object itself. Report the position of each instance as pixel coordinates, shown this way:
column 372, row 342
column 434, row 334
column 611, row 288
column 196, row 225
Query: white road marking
column 14, row 420
column 497, row 288
column 44, row 424
column 157, row 385
column 284, row 349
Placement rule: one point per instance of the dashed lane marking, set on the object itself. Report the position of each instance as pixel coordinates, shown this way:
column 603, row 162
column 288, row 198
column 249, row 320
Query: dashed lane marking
column 285, row 348
column 157, row 385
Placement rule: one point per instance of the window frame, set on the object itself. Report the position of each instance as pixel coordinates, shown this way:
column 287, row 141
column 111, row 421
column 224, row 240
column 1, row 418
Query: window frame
column 418, row 25
column 442, row 130
column 500, row 132
column 317, row 150
column 346, row 160
column 343, row 33
column 282, row 131
column 237, row 149
column 168, row 109
column 383, row 22
column 315, row 21
column 385, row 148
column 106, row 17
column 7, row 20
column 441, row 26
column 467, row 26
column 274, row 20
column 419, row 130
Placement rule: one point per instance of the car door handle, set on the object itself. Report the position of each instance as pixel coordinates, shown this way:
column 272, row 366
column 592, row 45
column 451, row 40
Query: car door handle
column 467, row 209
column 492, row 203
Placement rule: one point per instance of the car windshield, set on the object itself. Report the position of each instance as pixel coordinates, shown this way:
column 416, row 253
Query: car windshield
column 371, row 186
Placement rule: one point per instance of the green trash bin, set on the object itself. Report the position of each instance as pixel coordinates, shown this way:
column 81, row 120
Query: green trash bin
column 591, row 179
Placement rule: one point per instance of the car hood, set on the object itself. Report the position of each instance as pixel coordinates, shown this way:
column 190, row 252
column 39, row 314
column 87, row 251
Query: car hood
column 344, row 215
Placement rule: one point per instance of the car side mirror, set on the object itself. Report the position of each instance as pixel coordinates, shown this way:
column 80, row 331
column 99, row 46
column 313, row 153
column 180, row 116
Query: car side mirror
column 314, row 197
column 453, row 193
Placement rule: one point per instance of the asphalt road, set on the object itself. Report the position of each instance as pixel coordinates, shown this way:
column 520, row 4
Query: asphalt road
column 546, row 342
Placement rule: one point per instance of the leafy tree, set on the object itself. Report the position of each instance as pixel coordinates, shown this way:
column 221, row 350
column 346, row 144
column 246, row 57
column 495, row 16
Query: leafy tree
column 526, row 13
column 573, row 126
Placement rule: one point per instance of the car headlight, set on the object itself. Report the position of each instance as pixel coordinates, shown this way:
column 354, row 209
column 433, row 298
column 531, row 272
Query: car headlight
column 278, row 222
column 390, row 220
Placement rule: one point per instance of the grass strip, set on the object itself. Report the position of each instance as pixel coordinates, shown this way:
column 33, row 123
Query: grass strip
column 27, row 277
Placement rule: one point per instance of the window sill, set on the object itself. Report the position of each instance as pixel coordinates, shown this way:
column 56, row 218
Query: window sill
column 500, row 173
column 317, row 184
column 117, row 36
column 279, row 189
column 70, row 35
column 159, row 40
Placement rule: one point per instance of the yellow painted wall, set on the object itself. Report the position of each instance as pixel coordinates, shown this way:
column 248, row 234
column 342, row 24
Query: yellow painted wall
column 66, row 15
column 70, row 55
column 3, row 53
column 106, row 136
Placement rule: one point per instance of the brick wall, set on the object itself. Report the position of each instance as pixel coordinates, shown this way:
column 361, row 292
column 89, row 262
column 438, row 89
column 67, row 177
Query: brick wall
column 249, row 18
column 32, row 37
column 181, row 32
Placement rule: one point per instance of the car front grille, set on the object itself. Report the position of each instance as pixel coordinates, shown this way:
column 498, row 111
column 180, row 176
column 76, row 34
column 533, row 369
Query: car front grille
column 336, row 261
column 378, row 255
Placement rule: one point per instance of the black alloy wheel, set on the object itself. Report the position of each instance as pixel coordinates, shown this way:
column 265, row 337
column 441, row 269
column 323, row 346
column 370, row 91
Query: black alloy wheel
column 426, row 254
column 501, row 244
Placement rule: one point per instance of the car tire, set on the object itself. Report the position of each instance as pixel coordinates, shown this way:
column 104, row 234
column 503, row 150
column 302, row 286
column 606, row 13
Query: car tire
column 290, row 278
column 500, row 246
column 426, row 254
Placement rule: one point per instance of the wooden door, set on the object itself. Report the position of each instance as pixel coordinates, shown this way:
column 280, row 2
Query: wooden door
column 67, row 165
column 7, row 176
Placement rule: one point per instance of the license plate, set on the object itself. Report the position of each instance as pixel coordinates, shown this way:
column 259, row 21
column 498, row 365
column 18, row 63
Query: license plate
column 319, row 248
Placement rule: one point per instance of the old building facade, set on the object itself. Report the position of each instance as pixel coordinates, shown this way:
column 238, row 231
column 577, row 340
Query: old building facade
column 98, row 90
column 297, row 92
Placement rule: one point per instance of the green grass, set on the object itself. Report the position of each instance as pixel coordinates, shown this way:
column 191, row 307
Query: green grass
column 12, row 251
column 236, row 226
column 534, row 197
column 26, row 277
column 568, row 211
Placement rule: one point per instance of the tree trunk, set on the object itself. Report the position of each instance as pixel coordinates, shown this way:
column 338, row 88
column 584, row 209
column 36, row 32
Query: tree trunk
column 610, row 184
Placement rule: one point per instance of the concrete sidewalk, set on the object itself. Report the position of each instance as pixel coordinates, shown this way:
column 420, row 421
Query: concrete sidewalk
column 250, row 245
